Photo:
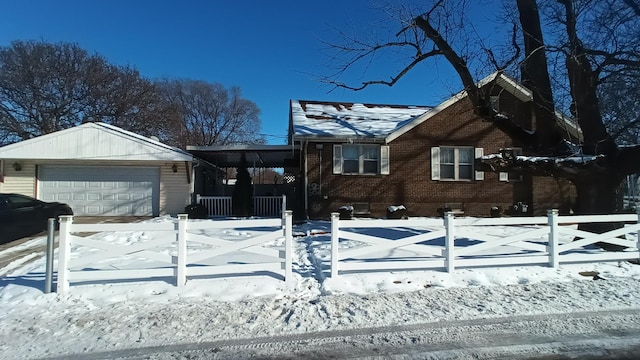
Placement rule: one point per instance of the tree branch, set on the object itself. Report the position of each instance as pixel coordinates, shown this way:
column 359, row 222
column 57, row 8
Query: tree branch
column 634, row 6
column 454, row 59
column 393, row 79
column 572, row 168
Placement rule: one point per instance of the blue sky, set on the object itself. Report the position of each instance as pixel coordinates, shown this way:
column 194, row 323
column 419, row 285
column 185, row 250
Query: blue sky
column 272, row 50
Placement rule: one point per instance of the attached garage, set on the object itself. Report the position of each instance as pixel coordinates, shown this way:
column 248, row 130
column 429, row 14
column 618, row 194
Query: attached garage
column 100, row 170
column 96, row 191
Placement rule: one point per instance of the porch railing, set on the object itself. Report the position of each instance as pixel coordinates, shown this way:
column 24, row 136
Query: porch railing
column 267, row 206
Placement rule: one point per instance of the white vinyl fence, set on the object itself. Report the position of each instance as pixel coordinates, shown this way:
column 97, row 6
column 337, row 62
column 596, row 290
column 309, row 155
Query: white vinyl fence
column 178, row 249
column 271, row 206
column 465, row 242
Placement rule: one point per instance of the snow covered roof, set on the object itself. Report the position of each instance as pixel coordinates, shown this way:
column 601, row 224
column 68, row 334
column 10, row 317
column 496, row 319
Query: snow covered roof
column 317, row 119
column 93, row 141
column 330, row 120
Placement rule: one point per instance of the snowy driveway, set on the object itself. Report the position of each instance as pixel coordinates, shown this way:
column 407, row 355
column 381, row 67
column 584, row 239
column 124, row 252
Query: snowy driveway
column 22, row 251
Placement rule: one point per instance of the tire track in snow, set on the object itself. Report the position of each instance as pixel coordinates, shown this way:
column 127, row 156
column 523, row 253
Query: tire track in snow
column 609, row 334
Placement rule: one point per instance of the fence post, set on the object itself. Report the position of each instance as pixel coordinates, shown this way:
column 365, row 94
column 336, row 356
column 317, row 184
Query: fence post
column 284, row 205
column 51, row 234
column 288, row 247
column 552, row 245
column 335, row 235
column 198, row 199
column 181, row 267
column 64, row 253
column 449, row 241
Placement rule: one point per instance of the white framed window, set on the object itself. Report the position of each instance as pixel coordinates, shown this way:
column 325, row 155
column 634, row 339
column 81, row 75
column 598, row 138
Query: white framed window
column 455, row 163
column 360, row 159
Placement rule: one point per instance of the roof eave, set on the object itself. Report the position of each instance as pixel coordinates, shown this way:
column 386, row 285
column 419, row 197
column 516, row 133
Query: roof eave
column 504, row 81
column 340, row 138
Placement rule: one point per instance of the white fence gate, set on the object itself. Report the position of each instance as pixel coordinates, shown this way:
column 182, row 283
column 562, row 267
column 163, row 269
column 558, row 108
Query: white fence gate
column 170, row 252
column 271, row 206
column 481, row 249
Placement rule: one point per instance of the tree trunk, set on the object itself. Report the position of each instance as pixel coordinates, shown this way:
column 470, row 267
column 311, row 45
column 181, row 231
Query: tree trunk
column 598, row 195
column 535, row 76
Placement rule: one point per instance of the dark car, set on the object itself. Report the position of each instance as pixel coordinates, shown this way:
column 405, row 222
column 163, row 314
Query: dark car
column 22, row 215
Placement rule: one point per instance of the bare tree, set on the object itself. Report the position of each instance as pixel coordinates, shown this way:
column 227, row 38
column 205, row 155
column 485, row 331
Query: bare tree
column 122, row 97
column 48, row 87
column 620, row 98
column 596, row 165
column 208, row 114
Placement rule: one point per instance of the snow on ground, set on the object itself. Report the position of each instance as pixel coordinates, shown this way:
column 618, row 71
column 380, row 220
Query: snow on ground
column 116, row 315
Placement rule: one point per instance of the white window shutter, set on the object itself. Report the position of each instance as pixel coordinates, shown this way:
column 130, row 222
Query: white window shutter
column 504, row 176
column 337, row 159
column 479, row 154
column 435, row 163
column 384, row 160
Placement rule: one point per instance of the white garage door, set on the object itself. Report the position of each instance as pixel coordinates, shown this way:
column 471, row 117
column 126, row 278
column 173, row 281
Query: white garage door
column 102, row 191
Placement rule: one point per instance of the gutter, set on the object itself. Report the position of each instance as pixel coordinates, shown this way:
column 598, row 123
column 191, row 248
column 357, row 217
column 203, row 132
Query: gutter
column 344, row 139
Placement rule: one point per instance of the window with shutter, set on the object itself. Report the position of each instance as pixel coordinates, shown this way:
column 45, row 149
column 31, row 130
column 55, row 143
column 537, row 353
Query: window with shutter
column 453, row 163
column 479, row 154
column 337, row 159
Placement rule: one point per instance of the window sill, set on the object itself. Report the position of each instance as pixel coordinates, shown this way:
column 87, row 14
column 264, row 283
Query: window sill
column 363, row 175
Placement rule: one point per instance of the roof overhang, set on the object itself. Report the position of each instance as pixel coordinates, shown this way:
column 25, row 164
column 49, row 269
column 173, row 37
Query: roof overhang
column 499, row 78
column 262, row 156
column 339, row 139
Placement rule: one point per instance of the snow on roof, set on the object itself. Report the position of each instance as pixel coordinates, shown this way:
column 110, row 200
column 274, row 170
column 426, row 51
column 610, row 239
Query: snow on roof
column 341, row 119
column 316, row 119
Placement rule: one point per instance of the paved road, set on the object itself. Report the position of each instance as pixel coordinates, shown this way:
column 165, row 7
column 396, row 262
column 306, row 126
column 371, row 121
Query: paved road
column 610, row 335
column 25, row 250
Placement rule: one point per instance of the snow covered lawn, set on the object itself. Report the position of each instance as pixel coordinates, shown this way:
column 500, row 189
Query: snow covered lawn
column 119, row 315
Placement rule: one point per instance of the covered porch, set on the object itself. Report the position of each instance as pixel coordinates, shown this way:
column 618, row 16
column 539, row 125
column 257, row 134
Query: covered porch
column 275, row 173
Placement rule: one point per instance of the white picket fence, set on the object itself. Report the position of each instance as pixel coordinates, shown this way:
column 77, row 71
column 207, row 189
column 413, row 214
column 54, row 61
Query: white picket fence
column 181, row 249
column 262, row 205
column 480, row 249
column 169, row 252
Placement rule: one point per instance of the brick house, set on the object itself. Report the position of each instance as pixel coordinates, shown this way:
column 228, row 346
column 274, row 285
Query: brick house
column 374, row 156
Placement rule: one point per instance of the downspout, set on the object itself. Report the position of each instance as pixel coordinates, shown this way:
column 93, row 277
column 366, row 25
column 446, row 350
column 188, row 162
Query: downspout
column 253, row 179
column 192, row 175
column 306, row 179
column 320, row 169
column 188, row 173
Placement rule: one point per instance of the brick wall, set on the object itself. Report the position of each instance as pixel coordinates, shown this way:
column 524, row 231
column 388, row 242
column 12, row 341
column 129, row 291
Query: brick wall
column 552, row 193
column 409, row 182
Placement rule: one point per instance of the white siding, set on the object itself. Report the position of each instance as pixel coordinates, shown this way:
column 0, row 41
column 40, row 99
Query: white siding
column 19, row 182
column 174, row 189
column 92, row 142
